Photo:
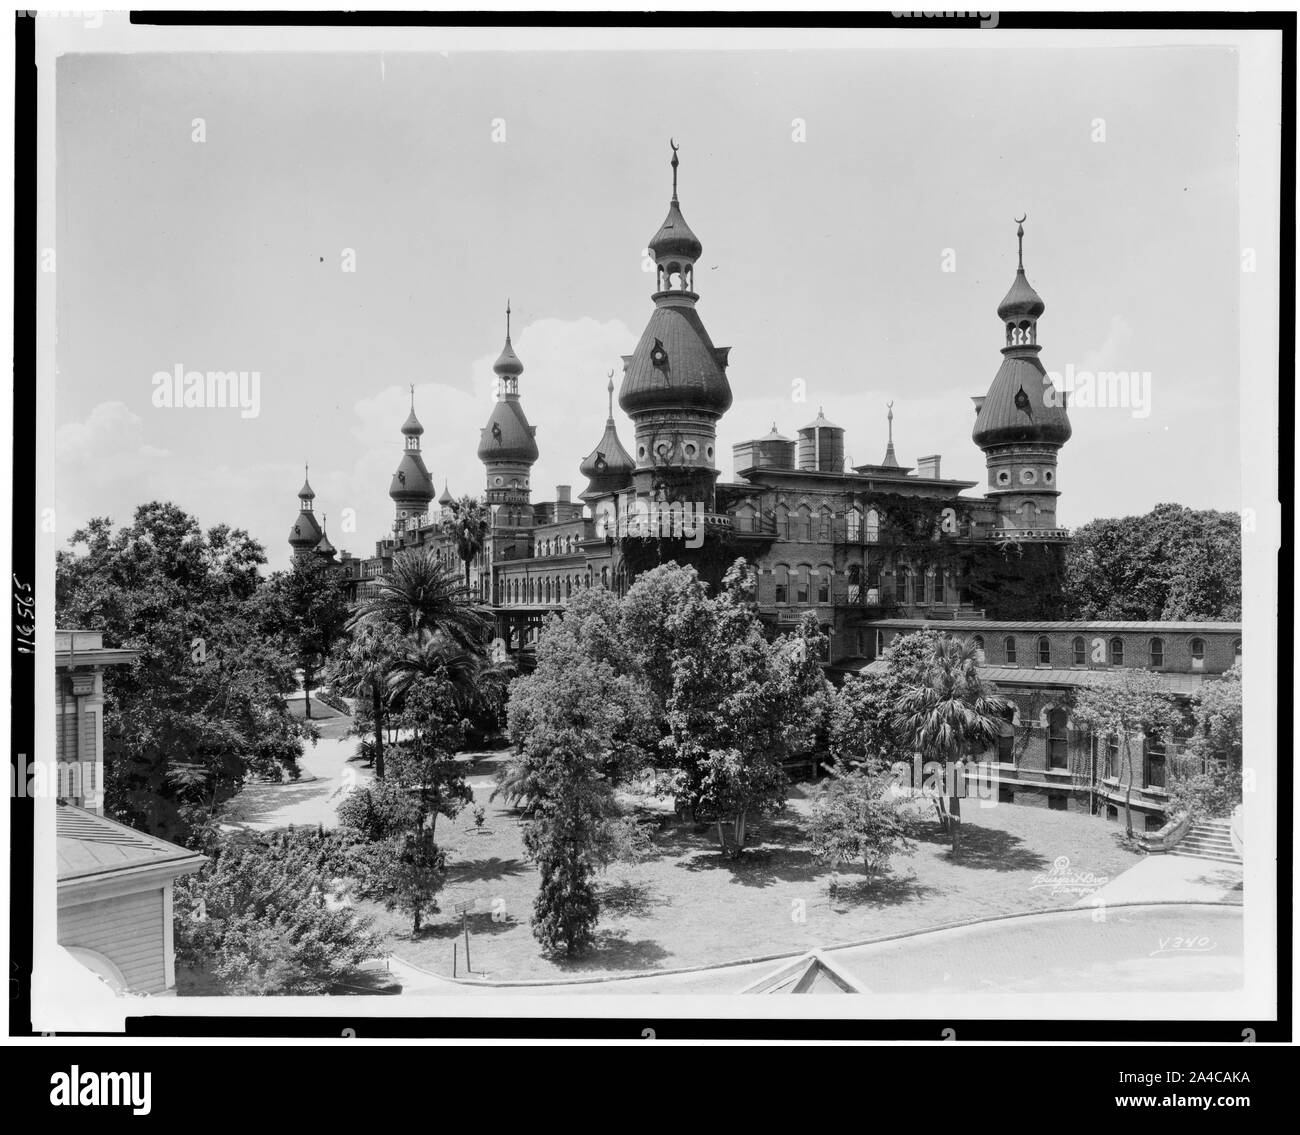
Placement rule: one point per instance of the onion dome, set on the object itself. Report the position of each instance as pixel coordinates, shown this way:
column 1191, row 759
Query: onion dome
column 306, row 493
column 305, row 533
column 508, row 436
column 609, row 467
column 674, row 237
column 1021, row 302
column 508, row 363
column 446, row 498
column 411, row 484
column 675, row 365
column 411, row 427
column 1017, row 408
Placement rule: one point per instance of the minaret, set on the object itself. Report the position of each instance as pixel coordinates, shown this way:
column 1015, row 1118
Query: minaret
column 506, row 444
column 1021, row 423
column 675, row 384
column 305, row 533
column 412, row 487
column 325, row 550
column 891, row 460
column 609, row 467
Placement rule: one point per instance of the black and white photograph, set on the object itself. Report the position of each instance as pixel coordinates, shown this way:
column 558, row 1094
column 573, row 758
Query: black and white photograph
column 647, row 522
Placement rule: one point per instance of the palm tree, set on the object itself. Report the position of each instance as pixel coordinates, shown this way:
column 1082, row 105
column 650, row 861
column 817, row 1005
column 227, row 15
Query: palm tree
column 360, row 670
column 952, row 714
column 477, row 683
column 467, row 528
column 419, row 594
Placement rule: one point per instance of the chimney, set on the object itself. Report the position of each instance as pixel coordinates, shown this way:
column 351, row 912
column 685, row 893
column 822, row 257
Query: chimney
column 562, row 494
column 928, row 467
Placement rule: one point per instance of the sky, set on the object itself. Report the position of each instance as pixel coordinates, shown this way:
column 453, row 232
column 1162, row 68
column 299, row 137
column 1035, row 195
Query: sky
column 856, row 210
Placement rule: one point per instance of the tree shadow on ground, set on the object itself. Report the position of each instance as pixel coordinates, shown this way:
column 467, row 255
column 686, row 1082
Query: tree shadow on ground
column 257, row 799
column 634, row 900
column 853, row 894
column 448, row 929
column 615, row 951
column 482, row 870
column 983, row 848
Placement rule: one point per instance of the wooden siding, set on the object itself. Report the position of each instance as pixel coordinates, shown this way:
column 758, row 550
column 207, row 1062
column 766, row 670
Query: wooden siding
column 128, row 930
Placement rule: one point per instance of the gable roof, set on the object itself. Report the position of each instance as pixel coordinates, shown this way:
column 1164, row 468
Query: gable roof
column 95, row 847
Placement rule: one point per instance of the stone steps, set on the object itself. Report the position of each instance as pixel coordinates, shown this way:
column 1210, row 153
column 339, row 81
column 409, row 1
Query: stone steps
column 1210, row 840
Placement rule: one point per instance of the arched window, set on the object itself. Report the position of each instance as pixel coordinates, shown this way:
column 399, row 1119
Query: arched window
column 802, row 591
column 978, row 642
column 803, row 524
column 548, row 589
column 904, row 577
column 781, row 583
column 1044, row 650
column 1058, row 738
column 853, row 525
column 1080, row 649
column 918, row 582
column 824, row 573
column 1198, row 653
column 824, row 518
column 604, row 577
column 782, row 521
column 873, row 526
column 1157, row 652
column 1009, row 648
column 568, row 587
column 1117, row 651
column 880, row 643
column 1007, row 738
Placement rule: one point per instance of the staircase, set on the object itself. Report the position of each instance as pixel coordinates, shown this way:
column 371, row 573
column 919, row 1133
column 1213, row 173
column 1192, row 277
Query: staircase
column 1210, row 839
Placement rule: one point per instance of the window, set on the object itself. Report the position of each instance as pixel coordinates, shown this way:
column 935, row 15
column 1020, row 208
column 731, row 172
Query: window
column 873, row 526
column 1110, row 763
column 1058, row 802
column 1154, row 758
column 801, row 585
column 855, row 583
column 880, row 643
column 853, row 526
column 781, row 581
column 1198, row 653
column 1044, row 650
column 904, row 583
column 978, row 643
column 920, row 585
column 1005, row 795
column 1080, row 649
column 1057, row 739
column 782, row 522
column 1236, row 651
column 1117, row 652
column 803, row 524
column 823, row 584
column 1009, row 648
column 1157, row 652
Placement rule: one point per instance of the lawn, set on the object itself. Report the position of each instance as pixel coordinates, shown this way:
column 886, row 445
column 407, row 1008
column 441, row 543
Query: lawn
column 687, row 906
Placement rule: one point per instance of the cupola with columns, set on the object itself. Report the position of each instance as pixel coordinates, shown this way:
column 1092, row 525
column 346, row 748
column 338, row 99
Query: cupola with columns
column 411, row 490
column 675, row 384
column 306, row 533
column 507, row 445
column 1021, row 423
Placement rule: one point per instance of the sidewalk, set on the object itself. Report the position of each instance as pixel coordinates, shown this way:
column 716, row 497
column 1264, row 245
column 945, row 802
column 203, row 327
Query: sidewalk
column 1171, row 878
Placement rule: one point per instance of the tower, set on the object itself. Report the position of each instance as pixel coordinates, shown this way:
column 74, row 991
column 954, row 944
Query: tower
column 675, row 384
column 506, row 444
column 609, row 467
column 412, row 487
column 305, row 533
column 325, row 550
column 1021, row 423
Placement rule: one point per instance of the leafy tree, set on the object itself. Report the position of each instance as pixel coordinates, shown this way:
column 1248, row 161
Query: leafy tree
column 566, row 717
column 379, row 810
column 951, row 714
column 405, row 872
column 1133, row 705
column 202, row 707
column 424, row 764
column 259, row 917
column 1173, row 563
column 1207, row 775
column 856, row 817
column 308, row 605
column 468, row 528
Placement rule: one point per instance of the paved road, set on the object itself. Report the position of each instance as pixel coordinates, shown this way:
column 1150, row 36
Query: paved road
column 261, row 807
